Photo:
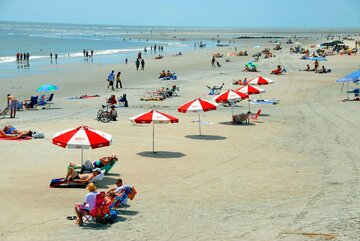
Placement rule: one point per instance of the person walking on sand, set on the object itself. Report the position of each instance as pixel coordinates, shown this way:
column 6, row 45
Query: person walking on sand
column 213, row 60
column 111, row 79
column 12, row 103
column 142, row 64
column 118, row 80
column 137, row 63
column 126, row 61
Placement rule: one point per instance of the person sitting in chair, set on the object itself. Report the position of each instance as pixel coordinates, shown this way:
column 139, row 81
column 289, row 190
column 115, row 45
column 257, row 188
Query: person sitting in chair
column 162, row 74
column 168, row 74
column 87, row 205
column 71, row 175
column 113, row 113
column 277, row 71
column 124, row 100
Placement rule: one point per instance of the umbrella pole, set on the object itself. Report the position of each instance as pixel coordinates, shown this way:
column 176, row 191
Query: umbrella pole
column 153, row 138
column 249, row 104
column 82, row 157
column 199, row 124
column 347, row 90
column 260, row 96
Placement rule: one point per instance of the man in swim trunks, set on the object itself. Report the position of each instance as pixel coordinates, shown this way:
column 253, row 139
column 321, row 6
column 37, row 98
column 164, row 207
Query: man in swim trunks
column 12, row 102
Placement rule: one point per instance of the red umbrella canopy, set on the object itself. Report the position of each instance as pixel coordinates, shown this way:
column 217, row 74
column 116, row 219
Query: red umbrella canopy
column 82, row 137
column 197, row 105
column 230, row 96
column 154, row 116
column 250, row 90
column 260, row 81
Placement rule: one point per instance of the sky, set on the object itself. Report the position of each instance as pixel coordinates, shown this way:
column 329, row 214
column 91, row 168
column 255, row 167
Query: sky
column 204, row 13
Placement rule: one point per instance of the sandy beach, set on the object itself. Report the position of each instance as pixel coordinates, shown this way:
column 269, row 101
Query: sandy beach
column 293, row 175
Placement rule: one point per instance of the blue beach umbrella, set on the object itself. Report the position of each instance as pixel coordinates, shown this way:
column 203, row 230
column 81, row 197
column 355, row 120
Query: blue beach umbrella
column 352, row 77
column 47, row 88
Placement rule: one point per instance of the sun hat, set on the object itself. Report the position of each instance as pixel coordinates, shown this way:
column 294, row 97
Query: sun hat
column 91, row 187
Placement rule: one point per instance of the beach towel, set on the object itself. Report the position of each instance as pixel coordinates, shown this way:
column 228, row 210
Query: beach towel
column 83, row 97
column 17, row 138
column 264, row 102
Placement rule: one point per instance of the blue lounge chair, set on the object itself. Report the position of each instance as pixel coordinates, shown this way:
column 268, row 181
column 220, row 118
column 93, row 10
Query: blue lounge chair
column 33, row 102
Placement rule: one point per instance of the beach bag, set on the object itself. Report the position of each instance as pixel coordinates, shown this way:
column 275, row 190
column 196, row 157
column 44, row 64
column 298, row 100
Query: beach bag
column 132, row 194
column 37, row 135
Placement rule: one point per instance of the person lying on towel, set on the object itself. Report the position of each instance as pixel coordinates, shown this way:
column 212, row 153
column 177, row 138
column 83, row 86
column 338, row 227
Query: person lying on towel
column 11, row 131
column 99, row 163
column 71, row 175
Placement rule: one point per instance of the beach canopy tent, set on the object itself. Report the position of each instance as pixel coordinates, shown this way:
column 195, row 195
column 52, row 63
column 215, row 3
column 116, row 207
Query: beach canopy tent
column 154, row 117
column 352, row 77
column 47, row 88
column 260, row 81
column 82, row 137
column 198, row 105
column 231, row 96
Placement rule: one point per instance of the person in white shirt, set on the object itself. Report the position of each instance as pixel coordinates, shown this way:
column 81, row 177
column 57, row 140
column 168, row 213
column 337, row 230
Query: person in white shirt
column 89, row 203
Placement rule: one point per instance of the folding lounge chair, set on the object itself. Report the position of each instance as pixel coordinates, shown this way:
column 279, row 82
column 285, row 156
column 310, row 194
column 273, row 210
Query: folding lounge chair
column 33, row 103
column 4, row 112
column 61, row 182
column 50, row 98
column 255, row 117
column 100, row 213
column 119, row 201
column 87, row 168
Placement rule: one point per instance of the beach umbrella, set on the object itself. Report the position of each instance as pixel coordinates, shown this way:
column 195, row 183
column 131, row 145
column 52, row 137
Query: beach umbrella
column 198, row 105
column 251, row 90
column 154, row 117
column 82, row 137
column 352, row 77
column 47, row 88
column 260, row 81
column 251, row 64
column 231, row 96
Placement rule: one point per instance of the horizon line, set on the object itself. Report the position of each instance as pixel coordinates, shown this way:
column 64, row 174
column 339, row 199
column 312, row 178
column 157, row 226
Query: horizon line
column 177, row 26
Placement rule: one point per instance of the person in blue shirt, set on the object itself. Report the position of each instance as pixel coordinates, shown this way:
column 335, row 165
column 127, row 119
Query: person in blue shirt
column 111, row 79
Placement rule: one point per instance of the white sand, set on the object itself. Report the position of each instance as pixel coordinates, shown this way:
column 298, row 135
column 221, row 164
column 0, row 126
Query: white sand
column 295, row 172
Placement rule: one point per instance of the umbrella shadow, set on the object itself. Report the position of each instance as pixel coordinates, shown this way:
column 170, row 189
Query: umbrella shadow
column 264, row 115
column 230, row 123
column 206, row 137
column 161, row 154
column 113, row 174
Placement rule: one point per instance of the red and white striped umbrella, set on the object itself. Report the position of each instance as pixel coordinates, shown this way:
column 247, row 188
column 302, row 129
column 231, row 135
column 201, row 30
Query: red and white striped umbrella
column 260, row 81
column 82, row 137
column 198, row 105
column 250, row 90
column 155, row 117
column 231, row 96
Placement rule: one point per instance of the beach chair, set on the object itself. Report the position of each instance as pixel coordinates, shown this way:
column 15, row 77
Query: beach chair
column 100, row 213
column 4, row 112
column 50, row 98
column 240, row 119
column 32, row 103
column 255, row 117
column 119, row 201
column 61, row 182
column 41, row 100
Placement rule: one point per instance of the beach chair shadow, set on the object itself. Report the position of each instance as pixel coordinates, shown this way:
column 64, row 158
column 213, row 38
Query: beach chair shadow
column 161, row 154
column 206, row 137
column 230, row 123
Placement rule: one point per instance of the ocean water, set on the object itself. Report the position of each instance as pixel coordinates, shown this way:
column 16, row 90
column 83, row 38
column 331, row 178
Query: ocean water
column 111, row 44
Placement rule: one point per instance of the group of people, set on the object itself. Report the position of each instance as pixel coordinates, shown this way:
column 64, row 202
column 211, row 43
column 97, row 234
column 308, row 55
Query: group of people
column 119, row 190
column 111, row 78
column 88, row 54
column 55, row 56
column 316, row 69
column 138, row 62
column 164, row 74
column 22, row 56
